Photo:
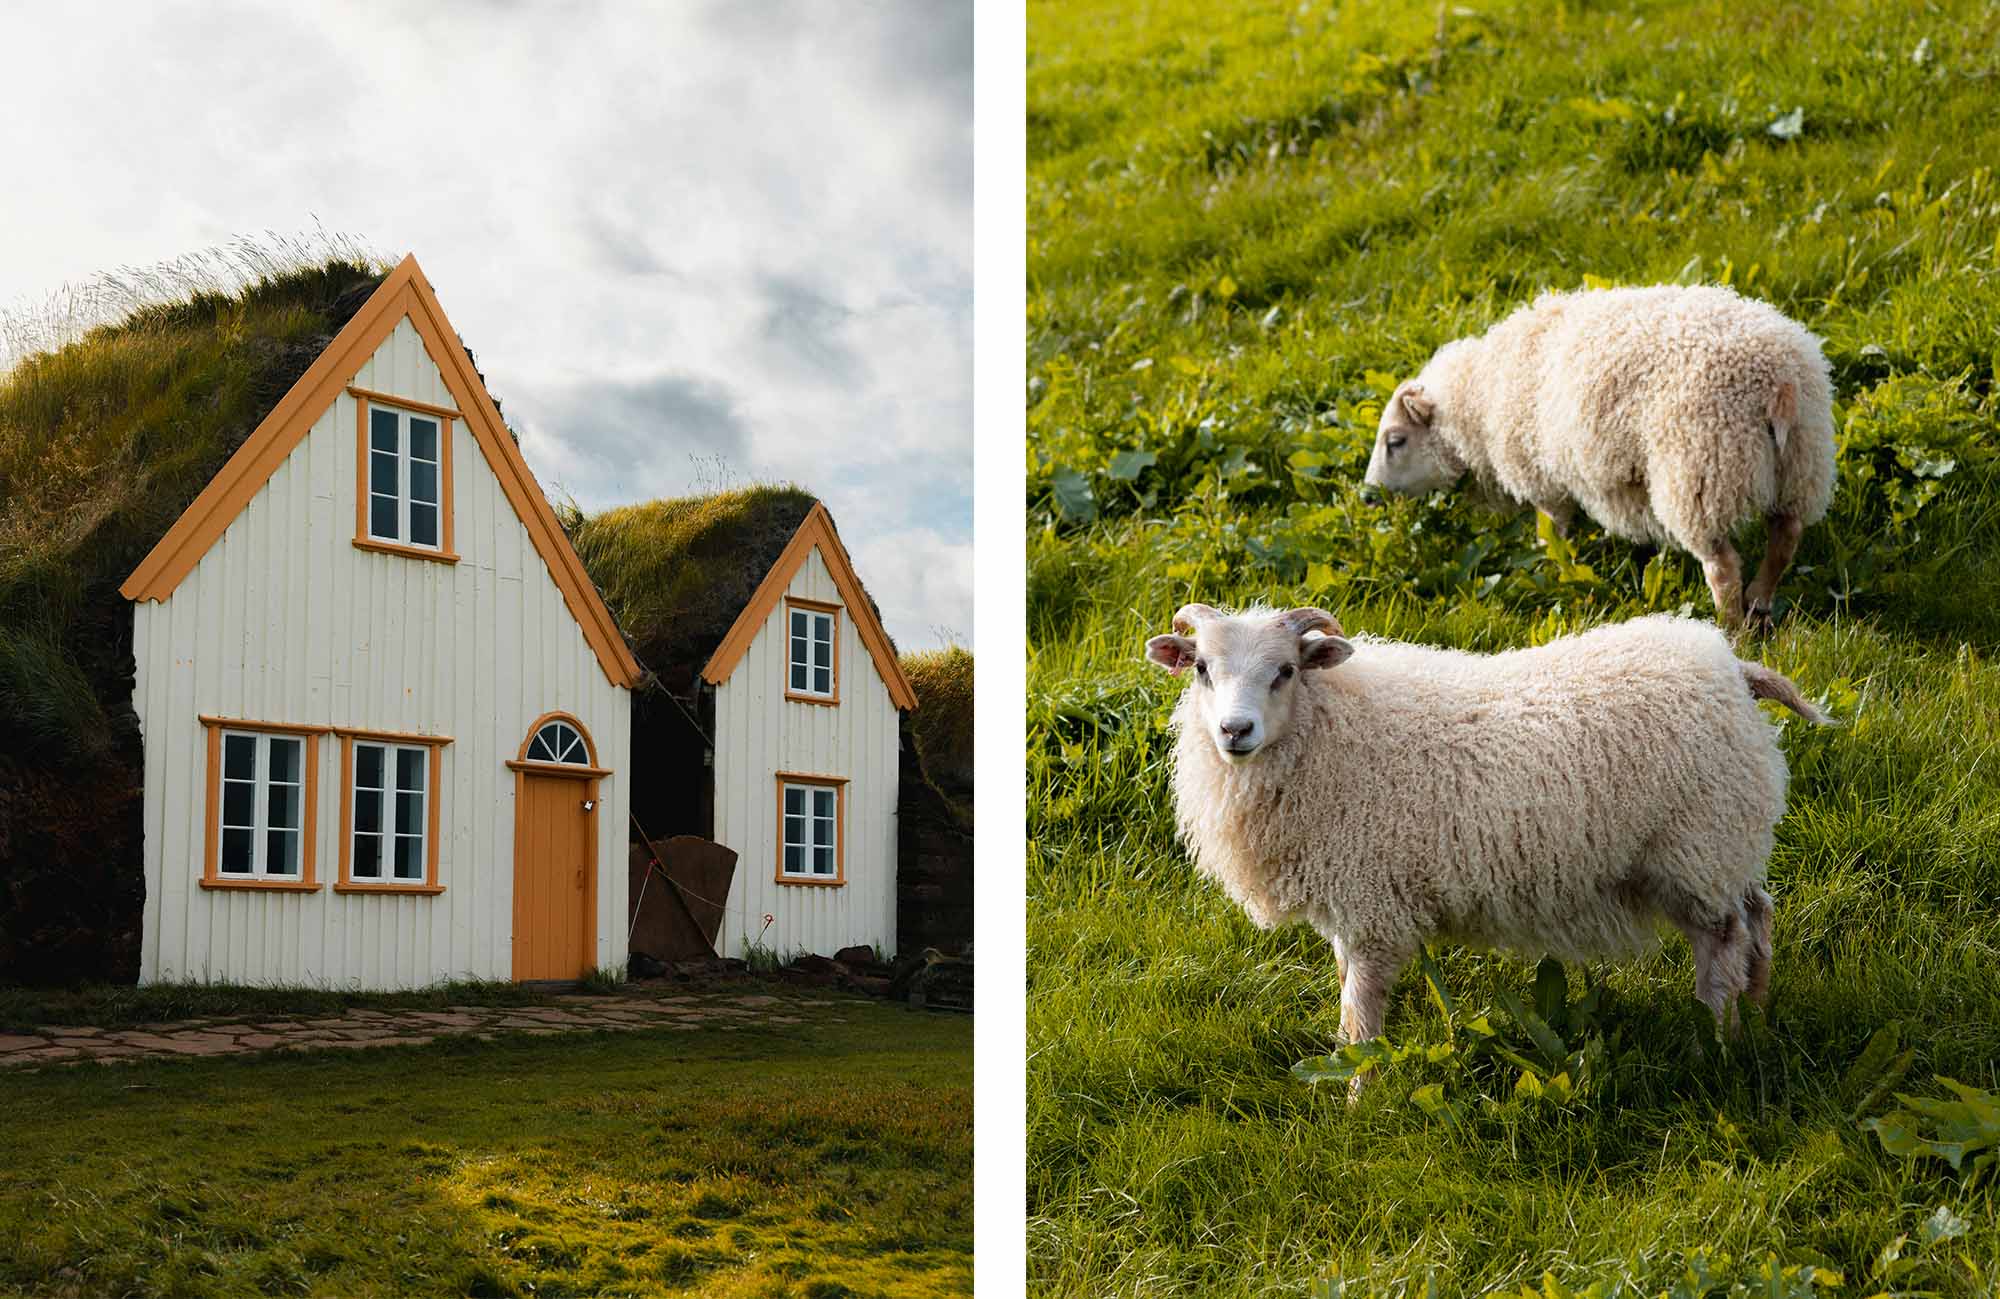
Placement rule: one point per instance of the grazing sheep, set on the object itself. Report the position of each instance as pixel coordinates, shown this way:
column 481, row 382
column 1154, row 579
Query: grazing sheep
column 1668, row 414
column 1559, row 799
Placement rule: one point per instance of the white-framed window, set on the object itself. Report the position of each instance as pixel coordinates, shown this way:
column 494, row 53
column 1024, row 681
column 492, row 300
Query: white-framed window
column 391, row 819
column 262, row 816
column 404, row 494
column 810, row 848
column 811, row 663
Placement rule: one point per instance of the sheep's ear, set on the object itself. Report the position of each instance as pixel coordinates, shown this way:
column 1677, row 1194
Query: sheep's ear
column 1417, row 403
column 1173, row 653
column 1324, row 652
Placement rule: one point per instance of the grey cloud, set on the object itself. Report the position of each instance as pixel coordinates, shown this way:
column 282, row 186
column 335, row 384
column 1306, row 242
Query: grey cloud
column 618, row 246
column 627, row 427
column 805, row 326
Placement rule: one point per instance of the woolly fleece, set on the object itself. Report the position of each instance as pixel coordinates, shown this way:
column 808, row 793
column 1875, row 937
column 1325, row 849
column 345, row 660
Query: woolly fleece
column 1556, row 799
column 1651, row 408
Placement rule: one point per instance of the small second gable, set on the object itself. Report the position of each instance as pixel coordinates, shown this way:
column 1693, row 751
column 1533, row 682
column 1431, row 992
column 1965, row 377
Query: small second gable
column 765, row 670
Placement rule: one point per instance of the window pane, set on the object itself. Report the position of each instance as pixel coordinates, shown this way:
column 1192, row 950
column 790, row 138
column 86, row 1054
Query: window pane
column 367, row 811
column 794, row 859
column 799, row 624
column 239, row 802
column 423, row 438
column 823, row 637
column 382, row 430
column 423, row 525
column 409, row 813
column 823, row 680
column 795, row 829
column 236, row 851
column 382, row 517
column 540, row 751
column 282, row 807
column 423, row 482
column 822, row 861
column 798, row 674
column 281, row 852
column 822, row 832
column 823, row 803
column 285, row 761
column 410, row 768
column 239, row 757
column 409, row 858
column 368, row 765
column 795, row 801
column 367, row 864
column 382, row 473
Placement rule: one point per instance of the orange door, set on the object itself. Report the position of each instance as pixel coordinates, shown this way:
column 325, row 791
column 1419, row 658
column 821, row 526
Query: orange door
column 553, row 877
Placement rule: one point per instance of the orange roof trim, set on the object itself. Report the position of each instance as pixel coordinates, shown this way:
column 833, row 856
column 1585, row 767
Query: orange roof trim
column 816, row 531
column 405, row 292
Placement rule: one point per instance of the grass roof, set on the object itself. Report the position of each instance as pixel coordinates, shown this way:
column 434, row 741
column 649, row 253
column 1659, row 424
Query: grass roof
column 941, row 727
column 103, row 443
column 677, row 572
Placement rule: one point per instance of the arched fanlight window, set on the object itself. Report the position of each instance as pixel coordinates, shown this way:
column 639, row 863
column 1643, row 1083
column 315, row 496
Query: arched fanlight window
column 558, row 741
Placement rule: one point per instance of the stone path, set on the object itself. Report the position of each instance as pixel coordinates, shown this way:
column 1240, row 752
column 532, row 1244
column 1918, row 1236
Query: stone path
column 360, row 1029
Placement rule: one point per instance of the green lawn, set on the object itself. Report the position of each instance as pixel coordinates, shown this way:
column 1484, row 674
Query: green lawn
column 823, row 1160
column 1246, row 223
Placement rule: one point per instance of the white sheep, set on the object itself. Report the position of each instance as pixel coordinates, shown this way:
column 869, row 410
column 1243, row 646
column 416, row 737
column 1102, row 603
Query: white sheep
column 1555, row 800
column 1669, row 414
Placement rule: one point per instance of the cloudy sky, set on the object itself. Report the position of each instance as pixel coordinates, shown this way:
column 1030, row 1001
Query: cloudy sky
column 691, row 244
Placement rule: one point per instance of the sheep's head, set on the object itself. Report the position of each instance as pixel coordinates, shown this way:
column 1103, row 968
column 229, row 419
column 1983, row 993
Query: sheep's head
column 1246, row 669
column 1409, row 456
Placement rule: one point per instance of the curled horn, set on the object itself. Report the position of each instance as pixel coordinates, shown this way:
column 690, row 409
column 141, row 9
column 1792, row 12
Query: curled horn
column 1191, row 616
column 1301, row 621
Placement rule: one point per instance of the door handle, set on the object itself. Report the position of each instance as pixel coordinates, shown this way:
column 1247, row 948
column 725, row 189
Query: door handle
column 579, row 877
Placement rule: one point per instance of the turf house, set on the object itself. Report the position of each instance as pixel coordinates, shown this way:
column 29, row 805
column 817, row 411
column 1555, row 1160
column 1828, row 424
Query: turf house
column 385, row 713
column 773, row 725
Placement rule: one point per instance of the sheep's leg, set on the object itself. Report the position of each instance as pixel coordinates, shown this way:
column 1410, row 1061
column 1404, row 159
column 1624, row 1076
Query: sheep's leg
column 1722, row 961
column 1364, row 999
column 1724, row 571
column 1757, row 913
column 1782, row 542
column 1364, row 994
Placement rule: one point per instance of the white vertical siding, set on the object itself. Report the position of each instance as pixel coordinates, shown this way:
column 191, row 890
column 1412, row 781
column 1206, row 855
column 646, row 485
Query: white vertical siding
column 284, row 620
column 758, row 733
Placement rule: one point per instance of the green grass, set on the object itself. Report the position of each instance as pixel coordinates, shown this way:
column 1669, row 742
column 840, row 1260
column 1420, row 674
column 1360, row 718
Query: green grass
column 1243, row 229
column 828, row 1159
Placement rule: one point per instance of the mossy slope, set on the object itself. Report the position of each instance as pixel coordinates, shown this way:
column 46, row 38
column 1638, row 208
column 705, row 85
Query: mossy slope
column 103, row 443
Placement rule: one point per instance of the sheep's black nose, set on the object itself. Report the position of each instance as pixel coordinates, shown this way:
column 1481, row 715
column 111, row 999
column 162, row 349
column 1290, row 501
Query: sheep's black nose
column 1235, row 730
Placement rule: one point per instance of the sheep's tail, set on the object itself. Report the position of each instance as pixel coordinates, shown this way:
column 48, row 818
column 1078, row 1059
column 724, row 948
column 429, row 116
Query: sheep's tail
column 1767, row 684
column 1782, row 414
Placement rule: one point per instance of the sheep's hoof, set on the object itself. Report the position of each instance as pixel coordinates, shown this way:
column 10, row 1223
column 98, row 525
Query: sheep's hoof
column 1758, row 621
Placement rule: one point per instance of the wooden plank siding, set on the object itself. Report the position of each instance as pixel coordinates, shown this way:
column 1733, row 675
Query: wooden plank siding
column 285, row 620
column 759, row 733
